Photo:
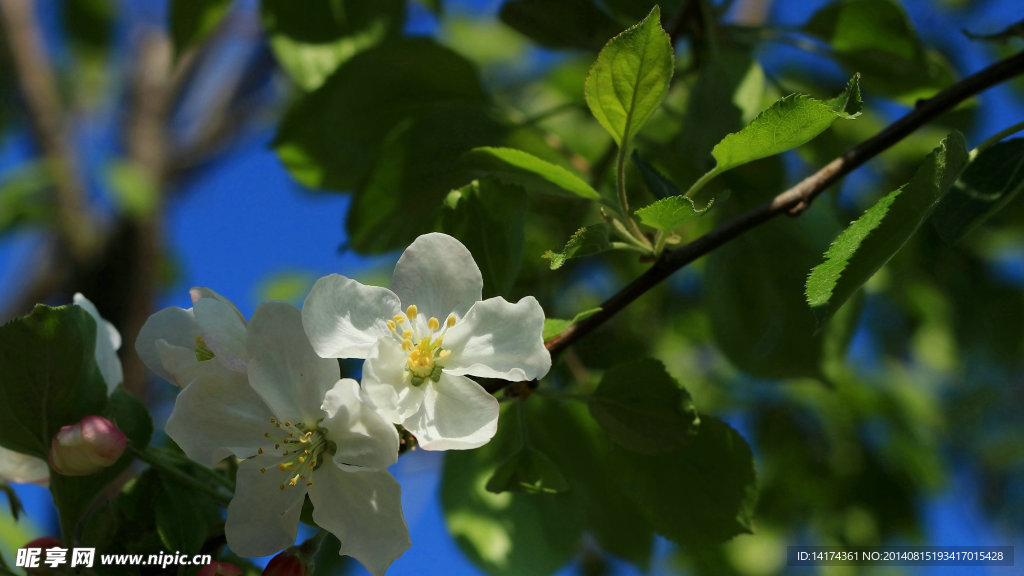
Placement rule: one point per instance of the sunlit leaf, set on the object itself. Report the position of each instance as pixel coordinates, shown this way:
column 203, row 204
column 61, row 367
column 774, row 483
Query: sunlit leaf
column 526, row 170
column 555, row 326
column 670, row 213
column 529, row 471
column 870, row 241
column 587, row 241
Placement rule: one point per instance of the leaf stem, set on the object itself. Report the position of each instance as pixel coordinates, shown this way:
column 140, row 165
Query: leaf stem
column 996, row 138
column 702, row 182
column 620, row 184
column 157, row 461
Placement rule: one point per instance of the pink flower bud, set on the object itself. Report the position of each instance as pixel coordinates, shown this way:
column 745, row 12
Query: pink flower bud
column 86, row 447
column 287, row 564
column 220, row 569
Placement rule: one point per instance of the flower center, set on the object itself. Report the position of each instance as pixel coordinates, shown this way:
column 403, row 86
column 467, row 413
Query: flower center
column 302, row 447
column 426, row 351
column 203, row 353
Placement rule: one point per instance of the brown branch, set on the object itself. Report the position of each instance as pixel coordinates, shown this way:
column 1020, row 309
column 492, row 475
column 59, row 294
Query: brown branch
column 796, row 199
column 75, row 222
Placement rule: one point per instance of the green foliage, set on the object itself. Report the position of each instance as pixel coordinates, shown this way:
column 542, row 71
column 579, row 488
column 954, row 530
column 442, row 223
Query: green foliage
column 310, row 41
column 523, row 169
column 181, row 516
column 528, row 471
column 701, row 493
column 50, row 376
column 544, row 22
column 874, row 238
column 586, row 241
column 876, row 38
column 488, row 217
column 990, row 182
column 192, row 21
column 628, row 81
column 555, row 326
column 657, row 184
column 1015, row 30
column 644, row 409
column 670, row 213
column 136, row 194
column 25, row 198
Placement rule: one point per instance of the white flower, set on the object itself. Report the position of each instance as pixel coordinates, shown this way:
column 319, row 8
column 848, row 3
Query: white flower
column 22, row 468
column 301, row 430
column 417, row 361
column 207, row 339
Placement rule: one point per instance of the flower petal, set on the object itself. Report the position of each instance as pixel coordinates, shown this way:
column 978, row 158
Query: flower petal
column 223, row 331
column 364, row 439
column 184, row 367
column 364, row 510
column 214, row 418
column 174, row 325
column 22, row 468
column 262, row 518
column 283, row 368
column 198, row 292
column 437, row 274
column 344, row 318
column 386, row 382
column 108, row 340
column 457, row 414
column 498, row 339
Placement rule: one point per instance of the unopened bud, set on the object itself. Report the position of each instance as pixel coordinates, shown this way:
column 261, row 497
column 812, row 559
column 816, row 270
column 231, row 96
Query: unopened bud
column 86, row 447
column 43, row 544
column 220, row 569
column 287, row 564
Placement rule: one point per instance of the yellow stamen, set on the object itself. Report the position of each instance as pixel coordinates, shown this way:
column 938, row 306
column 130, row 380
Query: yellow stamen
column 444, row 354
column 433, row 324
column 391, row 325
column 259, row 450
column 407, row 335
column 411, row 311
column 406, row 345
column 450, row 321
column 399, row 318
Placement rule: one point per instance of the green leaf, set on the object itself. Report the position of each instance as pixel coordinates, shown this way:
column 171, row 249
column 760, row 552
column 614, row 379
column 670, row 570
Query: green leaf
column 990, row 182
column 311, row 40
column 523, row 169
column 586, row 241
column 192, row 21
column 50, row 378
column 545, row 22
column 25, row 197
column 699, row 495
column 403, row 195
column 1015, row 30
column 331, row 137
column 644, row 409
column 627, row 83
column 133, row 189
column 555, row 326
column 788, row 123
column 488, row 218
column 870, row 241
column 670, row 213
column 877, row 39
column 181, row 518
column 528, row 471
column 656, row 182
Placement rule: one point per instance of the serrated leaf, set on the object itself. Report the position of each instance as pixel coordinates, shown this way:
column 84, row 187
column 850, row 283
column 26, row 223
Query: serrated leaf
column 643, row 408
column 332, row 136
column 990, row 182
column 50, row 378
column 657, row 183
column 544, row 22
column 627, row 83
column 528, row 471
column 192, row 21
column 586, row 241
column 670, row 213
column 877, row 39
column 555, row 326
column 788, row 123
column 488, row 218
column 699, row 495
column 311, row 40
column 526, row 170
column 874, row 238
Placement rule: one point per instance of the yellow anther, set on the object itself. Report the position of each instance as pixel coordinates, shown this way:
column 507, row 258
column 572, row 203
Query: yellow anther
column 276, row 446
column 399, row 318
column 444, row 354
column 263, row 470
column 282, row 487
column 302, row 459
column 282, row 467
column 309, row 483
column 450, row 321
column 411, row 311
column 407, row 335
column 406, row 345
column 287, row 423
column 309, row 434
column 259, row 450
column 433, row 324
column 293, row 480
column 273, row 420
column 391, row 325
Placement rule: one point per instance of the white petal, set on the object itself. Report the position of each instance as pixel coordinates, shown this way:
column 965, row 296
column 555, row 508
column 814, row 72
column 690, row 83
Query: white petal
column 108, row 340
column 498, row 339
column 184, row 367
column 174, row 325
column 364, row 510
column 216, row 417
column 223, row 331
column 22, row 468
column 200, row 292
column 344, row 318
column 437, row 274
column 364, row 439
column 262, row 518
column 457, row 414
column 386, row 382
column 283, row 368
